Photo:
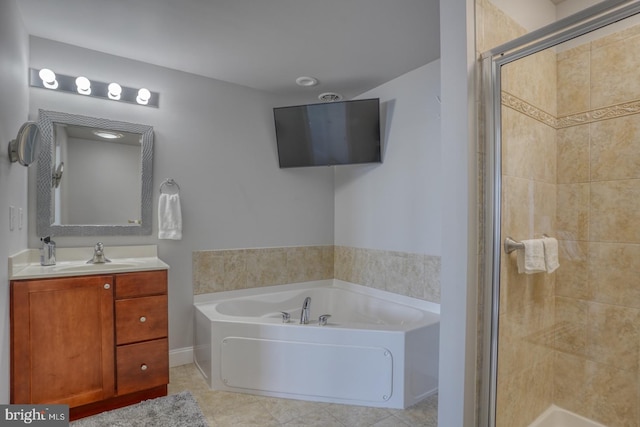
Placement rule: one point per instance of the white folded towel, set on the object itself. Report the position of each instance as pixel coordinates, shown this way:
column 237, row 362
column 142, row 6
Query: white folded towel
column 550, row 254
column 531, row 258
column 169, row 217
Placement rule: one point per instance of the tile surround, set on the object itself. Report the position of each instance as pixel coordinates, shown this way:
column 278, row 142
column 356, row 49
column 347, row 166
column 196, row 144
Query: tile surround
column 226, row 270
column 414, row 275
column 614, row 84
column 573, row 154
column 594, row 334
column 573, row 79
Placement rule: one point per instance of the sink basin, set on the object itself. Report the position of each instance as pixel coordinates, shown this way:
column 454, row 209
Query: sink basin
column 94, row 267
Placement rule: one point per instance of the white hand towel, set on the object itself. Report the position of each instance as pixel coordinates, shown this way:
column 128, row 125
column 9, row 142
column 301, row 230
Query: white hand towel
column 531, row 258
column 169, row 217
column 550, row 254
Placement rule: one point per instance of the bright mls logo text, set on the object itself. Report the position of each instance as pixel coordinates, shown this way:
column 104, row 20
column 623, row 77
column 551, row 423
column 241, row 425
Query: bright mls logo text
column 40, row 415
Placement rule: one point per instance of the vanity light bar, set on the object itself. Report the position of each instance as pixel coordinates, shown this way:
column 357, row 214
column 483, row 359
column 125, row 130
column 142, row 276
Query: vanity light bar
column 47, row 79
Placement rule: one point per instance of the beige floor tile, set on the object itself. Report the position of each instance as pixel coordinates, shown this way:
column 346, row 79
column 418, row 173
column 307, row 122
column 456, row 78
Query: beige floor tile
column 223, row 409
column 391, row 421
column 424, row 413
column 318, row 418
column 358, row 416
column 253, row 414
column 285, row 410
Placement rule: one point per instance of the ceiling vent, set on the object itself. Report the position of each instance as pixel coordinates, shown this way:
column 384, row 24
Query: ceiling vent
column 330, row 97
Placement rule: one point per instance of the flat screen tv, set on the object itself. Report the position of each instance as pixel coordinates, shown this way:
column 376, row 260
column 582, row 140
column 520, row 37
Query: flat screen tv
column 332, row 133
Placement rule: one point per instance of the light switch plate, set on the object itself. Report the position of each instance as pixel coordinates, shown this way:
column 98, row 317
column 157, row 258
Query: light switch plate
column 12, row 218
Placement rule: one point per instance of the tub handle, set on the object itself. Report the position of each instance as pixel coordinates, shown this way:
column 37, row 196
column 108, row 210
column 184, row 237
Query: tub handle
column 322, row 320
column 285, row 317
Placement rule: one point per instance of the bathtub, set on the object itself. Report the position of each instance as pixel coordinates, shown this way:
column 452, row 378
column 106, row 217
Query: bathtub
column 377, row 349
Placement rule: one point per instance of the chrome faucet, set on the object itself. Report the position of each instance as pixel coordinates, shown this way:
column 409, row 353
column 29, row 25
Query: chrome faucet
column 98, row 255
column 304, row 315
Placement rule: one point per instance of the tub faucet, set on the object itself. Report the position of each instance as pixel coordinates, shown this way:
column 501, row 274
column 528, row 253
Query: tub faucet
column 98, row 255
column 304, row 315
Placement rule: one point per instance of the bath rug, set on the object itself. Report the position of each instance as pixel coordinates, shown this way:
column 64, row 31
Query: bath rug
column 177, row 410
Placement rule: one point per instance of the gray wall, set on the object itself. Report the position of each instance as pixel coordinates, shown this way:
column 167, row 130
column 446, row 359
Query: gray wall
column 14, row 49
column 217, row 141
column 396, row 205
column 456, row 390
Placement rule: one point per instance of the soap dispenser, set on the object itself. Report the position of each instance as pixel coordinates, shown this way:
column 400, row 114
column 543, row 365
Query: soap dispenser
column 48, row 251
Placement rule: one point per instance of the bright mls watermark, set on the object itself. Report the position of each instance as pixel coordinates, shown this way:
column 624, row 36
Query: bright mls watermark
column 34, row 415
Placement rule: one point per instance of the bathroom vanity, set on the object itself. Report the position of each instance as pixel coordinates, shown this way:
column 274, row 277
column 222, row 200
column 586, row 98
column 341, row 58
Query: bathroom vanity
column 93, row 337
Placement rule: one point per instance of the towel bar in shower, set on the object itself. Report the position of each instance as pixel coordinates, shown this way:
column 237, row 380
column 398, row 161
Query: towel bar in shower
column 511, row 245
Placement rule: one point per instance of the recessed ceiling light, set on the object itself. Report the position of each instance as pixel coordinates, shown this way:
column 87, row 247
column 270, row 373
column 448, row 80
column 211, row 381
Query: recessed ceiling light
column 107, row 135
column 306, row 81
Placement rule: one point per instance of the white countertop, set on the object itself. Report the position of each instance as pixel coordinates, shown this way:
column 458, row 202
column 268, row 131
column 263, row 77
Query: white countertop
column 73, row 262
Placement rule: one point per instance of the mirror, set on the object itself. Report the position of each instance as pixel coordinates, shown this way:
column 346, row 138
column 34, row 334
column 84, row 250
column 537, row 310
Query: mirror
column 94, row 176
column 25, row 148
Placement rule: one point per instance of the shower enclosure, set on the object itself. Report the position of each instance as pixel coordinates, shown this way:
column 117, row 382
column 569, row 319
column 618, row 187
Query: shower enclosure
column 562, row 119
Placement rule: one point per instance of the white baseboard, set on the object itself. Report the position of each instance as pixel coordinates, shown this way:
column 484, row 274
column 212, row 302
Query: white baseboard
column 180, row 356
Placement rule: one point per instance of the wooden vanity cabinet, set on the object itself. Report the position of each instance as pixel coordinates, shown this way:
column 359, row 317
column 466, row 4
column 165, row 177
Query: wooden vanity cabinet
column 62, row 340
column 92, row 342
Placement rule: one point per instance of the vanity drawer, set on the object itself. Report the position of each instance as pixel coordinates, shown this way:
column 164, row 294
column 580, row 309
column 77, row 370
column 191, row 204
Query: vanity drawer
column 141, row 319
column 141, row 366
column 144, row 283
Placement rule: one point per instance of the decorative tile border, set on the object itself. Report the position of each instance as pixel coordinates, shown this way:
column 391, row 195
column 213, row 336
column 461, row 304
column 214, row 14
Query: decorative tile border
column 613, row 111
column 619, row 110
column 527, row 109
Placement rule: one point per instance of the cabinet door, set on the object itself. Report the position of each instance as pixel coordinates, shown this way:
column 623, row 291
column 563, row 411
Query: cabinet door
column 62, row 340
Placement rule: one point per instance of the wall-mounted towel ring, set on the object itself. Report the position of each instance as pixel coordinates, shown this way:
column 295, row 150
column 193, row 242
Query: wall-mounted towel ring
column 169, row 182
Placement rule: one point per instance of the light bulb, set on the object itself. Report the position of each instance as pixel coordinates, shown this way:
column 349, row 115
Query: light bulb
column 48, row 78
column 107, row 134
column 115, row 90
column 143, row 96
column 84, row 85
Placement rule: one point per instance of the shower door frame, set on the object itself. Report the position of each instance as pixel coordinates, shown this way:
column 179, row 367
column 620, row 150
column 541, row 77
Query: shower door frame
column 586, row 21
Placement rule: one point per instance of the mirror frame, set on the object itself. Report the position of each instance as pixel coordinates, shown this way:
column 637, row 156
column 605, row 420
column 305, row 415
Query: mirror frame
column 45, row 210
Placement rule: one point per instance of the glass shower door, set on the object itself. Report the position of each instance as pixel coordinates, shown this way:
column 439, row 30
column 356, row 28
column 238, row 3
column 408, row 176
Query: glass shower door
column 569, row 341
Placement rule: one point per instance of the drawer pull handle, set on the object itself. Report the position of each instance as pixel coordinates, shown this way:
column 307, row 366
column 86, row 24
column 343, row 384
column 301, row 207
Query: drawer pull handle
column 143, row 367
column 143, row 319
column 107, row 286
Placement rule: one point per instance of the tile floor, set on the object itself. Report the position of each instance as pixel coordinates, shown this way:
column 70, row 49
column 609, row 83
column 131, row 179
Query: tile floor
column 224, row 409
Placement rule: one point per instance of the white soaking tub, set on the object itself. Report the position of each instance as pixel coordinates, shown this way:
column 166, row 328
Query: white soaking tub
column 377, row 349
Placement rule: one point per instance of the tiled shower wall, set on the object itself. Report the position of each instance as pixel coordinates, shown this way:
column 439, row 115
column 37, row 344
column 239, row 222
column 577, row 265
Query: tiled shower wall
column 597, row 361
column 409, row 274
column 525, row 370
column 573, row 339
column 526, row 319
column 493, row 28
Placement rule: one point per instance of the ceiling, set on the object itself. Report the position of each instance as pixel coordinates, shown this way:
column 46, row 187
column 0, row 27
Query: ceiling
column 350, row 46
